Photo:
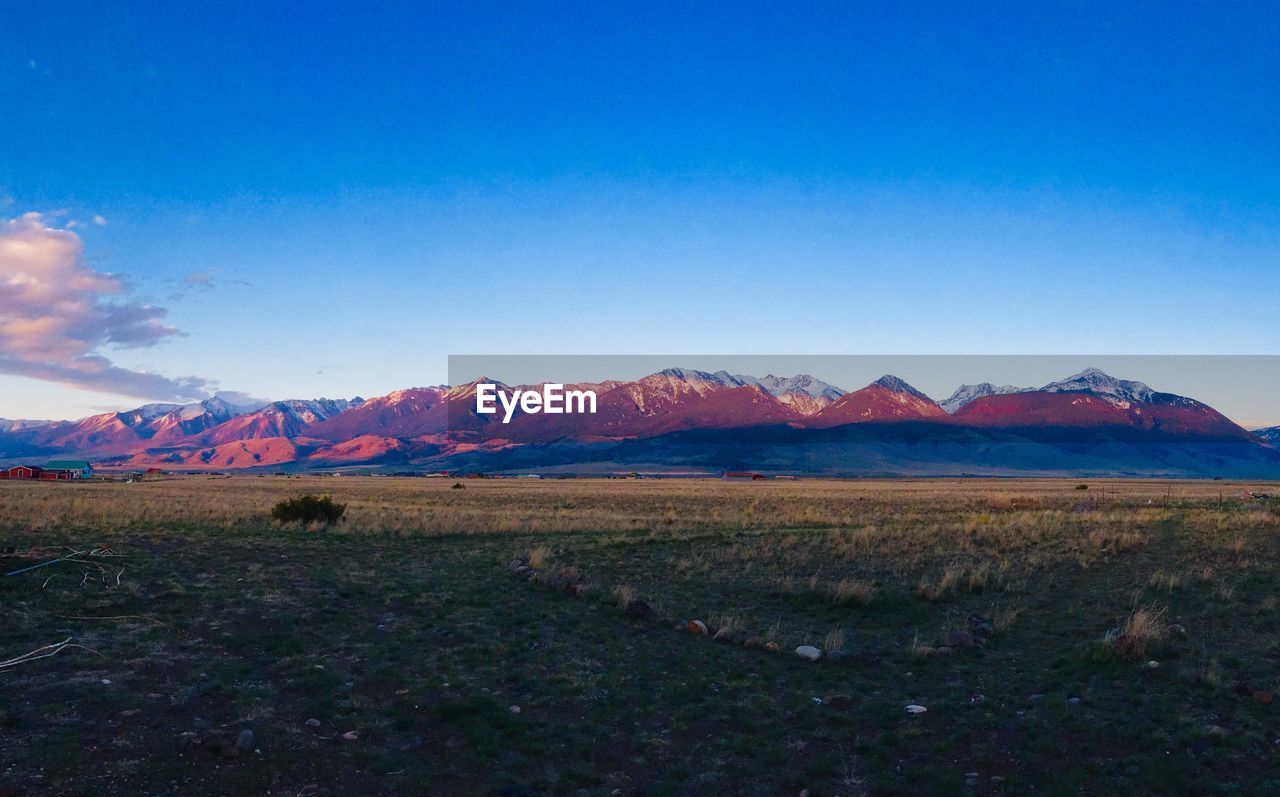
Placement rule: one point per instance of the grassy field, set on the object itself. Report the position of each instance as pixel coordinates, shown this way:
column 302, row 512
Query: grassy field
column 1122, row 638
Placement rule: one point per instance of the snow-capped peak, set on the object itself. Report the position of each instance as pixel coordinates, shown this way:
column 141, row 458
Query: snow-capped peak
column 896, row 384
column 969, row 393
column 1095, row 381
column 801, row 383
column 1271, row 434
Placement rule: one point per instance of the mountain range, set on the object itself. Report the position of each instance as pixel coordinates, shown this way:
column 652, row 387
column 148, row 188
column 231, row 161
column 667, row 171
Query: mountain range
column 684, row 420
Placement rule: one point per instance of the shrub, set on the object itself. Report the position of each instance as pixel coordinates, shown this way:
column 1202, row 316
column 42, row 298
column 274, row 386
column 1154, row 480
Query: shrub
column 308, row 509
column 1142, row 631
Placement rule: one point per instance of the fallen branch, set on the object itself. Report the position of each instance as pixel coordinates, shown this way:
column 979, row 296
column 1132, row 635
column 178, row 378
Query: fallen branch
column 92, row 553
column 45, row 652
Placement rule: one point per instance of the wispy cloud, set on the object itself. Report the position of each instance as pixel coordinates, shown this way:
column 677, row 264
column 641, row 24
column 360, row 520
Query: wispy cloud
column 57, row 314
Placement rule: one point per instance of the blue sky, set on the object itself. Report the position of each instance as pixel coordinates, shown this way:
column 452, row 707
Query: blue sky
column 331, row 203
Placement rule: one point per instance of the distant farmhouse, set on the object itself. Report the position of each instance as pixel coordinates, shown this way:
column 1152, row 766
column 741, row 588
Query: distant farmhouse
column 77, row 467
column 61, row 470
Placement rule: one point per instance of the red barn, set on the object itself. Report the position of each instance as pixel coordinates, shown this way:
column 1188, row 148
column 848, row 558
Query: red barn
column 25, row 472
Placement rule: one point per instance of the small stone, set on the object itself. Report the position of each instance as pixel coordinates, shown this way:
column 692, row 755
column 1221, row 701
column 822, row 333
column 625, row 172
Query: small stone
column 131, row 712
column 245, row 741
column 753, row 643
column 154, row 696
column 803, row 793
column 723, row 636
column 1178, row 631
column 638, row 610
column 313, row 723
column 772, row 647
column 696, row 627
column 351, row 736
column 916, row 709
column 106, row 682
column 515, row 709
column 1217, row 731
column 516, row 564
column 808, row 653
column 1153, row 665
column 402, row 691
column 1073, row 701
column 1264, row 697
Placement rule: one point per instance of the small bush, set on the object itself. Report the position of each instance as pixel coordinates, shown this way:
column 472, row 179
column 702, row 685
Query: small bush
column 1142, row 631
column 308, row 509
column 853, row 591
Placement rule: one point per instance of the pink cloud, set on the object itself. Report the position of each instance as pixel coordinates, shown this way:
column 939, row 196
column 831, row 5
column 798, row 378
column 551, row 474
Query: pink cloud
column 57, row 313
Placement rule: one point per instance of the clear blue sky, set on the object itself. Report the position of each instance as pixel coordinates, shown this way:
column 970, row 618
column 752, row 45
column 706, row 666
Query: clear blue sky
column 330, row 202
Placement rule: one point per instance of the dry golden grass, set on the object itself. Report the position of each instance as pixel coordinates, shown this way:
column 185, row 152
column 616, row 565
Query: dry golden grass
column 1139, row 634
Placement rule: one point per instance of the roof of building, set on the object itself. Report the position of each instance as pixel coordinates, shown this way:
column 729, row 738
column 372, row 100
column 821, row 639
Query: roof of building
column 67, row 464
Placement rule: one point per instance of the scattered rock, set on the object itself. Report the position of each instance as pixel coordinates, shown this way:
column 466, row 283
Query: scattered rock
column 1073, row 701
column 638, row 610
column 351, row 736
column 245, row 741
column 916, row 709
column 1264, row 697
column 723, row 636
column 516, row 564
column 1152, row 665
column 313, row 723
column 927, row 652
column 696, row 627
column 1216, row 731
column 808, row 653
column 753, row 643
column 772, row 647
column 1178, row 631
column 958, row 639
column 131, row 712
column 515, row 709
